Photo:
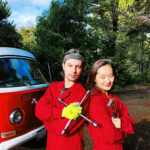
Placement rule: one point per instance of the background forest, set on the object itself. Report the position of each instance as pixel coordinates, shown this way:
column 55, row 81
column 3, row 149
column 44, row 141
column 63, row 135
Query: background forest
column 114, row 29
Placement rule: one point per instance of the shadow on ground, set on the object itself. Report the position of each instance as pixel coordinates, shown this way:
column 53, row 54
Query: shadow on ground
column 33, row 145
column 138, row 141
column 141, row 139
column 36, row 145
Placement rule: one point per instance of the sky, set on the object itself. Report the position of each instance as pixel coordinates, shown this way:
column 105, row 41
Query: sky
column 25, row 12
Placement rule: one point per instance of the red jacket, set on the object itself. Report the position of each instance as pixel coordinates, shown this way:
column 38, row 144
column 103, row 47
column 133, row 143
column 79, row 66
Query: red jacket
column 106, row 136
column 49, row 110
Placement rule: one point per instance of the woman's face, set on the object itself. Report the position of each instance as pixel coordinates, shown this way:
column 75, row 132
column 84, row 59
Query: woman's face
column 104, row 78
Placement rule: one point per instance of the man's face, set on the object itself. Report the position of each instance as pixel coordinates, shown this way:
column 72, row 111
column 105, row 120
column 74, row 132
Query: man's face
column 72, row 69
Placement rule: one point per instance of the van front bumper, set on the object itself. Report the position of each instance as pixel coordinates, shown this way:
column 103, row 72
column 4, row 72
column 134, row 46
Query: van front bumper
column 39, row 132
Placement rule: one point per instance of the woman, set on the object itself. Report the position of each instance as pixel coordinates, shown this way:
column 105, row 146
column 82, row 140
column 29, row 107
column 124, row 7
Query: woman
column 107, row 109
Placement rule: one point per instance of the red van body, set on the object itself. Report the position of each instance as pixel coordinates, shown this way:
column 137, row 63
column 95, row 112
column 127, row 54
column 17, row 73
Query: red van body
column 21, row 85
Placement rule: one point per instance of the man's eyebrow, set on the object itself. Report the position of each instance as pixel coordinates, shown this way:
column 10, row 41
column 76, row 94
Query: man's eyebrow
column 78, row 65
column 68, row 63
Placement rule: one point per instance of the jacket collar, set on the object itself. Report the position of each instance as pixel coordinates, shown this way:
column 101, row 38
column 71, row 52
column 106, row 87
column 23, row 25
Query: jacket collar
column 66, row 93
column 104, row 100
column 97, row 92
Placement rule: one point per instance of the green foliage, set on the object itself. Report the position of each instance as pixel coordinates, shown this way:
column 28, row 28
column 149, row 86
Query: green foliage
column 105, row 20
column 8, row 34
column 146, row 76
column 62, row 27
column 141, row 77
column 28, row 37
column 109, row 33
column 116, row 30
column 125, row 4
column 5, row 10
column 139, row 49
column 122, row 38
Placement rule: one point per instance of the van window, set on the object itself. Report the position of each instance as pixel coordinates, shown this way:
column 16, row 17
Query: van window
column 19, row 72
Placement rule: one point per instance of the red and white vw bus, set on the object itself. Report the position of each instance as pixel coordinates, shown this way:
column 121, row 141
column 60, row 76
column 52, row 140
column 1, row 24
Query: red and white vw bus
column 21, row 85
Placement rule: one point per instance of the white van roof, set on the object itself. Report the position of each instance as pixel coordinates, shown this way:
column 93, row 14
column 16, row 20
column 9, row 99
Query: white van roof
column 15, row 52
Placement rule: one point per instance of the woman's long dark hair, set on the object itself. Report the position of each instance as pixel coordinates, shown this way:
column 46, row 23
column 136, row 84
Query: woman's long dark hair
column 99, row 63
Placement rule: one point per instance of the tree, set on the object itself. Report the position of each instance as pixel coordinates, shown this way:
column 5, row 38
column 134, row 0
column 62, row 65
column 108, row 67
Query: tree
column 28, row 37
column 107, row 33
column 111, row 25
column 8, row 34
column 125, row 4
column 138, row 37
column 105, row 21
column 62, row 27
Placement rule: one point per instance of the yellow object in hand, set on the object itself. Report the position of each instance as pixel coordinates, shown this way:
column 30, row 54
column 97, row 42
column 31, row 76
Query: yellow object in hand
column 72, row 111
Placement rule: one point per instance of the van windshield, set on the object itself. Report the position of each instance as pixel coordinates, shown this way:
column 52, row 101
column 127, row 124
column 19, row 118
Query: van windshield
column 19, row 72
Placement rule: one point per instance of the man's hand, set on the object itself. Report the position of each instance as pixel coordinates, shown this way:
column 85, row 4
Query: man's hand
column 116, row 122
column 72, row 111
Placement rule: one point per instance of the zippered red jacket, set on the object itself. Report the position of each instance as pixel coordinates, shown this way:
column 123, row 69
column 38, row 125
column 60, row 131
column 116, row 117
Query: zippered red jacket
column 106, row 136
column 49, row 110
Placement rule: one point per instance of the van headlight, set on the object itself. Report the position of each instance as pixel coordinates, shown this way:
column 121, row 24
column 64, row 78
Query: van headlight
column 16, row 116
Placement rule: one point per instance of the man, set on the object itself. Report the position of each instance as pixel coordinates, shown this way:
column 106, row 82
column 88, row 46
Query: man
column 53, row 113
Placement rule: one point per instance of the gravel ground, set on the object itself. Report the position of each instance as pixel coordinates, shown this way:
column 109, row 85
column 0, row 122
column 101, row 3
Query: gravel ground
column 138, row 103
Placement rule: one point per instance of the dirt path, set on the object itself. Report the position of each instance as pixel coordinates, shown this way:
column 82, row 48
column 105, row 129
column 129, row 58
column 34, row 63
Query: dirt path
column 138, row 103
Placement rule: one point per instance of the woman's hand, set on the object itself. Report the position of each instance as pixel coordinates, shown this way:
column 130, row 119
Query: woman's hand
column 116, row 122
